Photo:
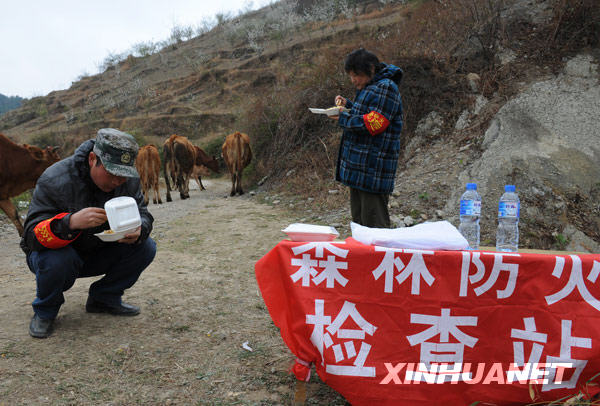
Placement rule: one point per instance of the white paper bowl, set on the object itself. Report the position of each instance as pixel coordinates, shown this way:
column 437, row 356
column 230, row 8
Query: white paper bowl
column 123, row 214
column 310, row 232
column 331, row 111
column 114, row 236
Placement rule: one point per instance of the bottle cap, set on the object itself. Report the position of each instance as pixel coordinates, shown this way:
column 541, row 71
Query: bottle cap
column 509, row 188
column 471, row 186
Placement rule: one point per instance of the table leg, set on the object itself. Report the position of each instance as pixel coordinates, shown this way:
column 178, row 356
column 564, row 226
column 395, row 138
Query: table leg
column 300, row 393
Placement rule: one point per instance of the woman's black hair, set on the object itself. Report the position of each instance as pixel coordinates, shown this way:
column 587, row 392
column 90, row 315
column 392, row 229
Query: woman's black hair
column 362, row 61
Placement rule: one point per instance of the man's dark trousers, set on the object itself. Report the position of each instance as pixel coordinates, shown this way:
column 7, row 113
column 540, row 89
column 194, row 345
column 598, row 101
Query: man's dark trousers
column 56, row 271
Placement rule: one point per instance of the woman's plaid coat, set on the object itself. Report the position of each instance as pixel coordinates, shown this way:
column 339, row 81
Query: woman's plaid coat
column 370, row 145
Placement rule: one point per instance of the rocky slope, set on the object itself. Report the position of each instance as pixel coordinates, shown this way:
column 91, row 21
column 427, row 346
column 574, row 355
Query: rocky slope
column 543, row 140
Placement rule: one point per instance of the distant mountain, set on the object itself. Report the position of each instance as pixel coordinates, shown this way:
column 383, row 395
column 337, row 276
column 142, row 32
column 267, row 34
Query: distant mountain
column 9, row 103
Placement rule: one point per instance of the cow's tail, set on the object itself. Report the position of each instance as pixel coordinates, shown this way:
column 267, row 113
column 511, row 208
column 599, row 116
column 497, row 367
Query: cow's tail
column 167, row 157
column 239, row 148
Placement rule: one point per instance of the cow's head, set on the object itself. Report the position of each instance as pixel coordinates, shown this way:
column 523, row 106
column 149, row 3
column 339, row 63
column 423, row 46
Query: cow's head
column 213, row 164
column 52, row 154
column 48, row 155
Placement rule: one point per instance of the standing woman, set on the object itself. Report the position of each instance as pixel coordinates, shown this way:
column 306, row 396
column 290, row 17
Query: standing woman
column 370, row 145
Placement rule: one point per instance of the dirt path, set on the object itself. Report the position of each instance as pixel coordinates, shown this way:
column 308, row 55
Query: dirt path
column 199, row 302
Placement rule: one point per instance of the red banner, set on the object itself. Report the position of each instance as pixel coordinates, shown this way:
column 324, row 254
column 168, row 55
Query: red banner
column 399, row 326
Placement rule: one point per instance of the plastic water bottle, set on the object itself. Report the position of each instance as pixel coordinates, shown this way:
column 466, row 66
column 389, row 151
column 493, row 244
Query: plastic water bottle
column 507, row 235
column 470, row 210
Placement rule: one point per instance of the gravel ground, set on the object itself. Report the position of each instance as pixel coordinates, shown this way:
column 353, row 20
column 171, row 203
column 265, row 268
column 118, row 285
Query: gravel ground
column 199, row 301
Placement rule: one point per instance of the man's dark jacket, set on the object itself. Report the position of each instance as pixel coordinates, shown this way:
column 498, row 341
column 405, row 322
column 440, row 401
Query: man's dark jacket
column 66, row 187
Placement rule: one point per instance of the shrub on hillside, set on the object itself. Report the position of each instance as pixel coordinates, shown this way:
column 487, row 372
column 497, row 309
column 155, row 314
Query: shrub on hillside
column 205, row 25
column 112, row 60
column 144, row 48
column 278, row 21
column 180, row 33
column 280, row 124
column 223, row 18
column 575, row 25
column 47, row 139
column 213, row 147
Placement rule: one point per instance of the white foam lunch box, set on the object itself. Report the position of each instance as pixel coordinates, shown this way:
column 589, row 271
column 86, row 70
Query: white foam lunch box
column 123, row 213
column 310, row 232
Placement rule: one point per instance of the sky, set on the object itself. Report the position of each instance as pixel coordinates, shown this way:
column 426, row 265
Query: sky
column 46, row 45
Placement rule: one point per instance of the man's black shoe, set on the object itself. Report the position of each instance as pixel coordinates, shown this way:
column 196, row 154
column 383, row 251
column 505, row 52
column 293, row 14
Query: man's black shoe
column 40, row 328
column 122, row 309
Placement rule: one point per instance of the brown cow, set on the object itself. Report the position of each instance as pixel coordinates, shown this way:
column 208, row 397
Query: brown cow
column 168, row 168
column 148, row 166
column 20, row 168
column 180, row 155
column 237, row 155
column 202, row 165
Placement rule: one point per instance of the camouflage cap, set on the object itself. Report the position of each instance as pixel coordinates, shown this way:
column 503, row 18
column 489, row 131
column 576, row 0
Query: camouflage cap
column 117, row 151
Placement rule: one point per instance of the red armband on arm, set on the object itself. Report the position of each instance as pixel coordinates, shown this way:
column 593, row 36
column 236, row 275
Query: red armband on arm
column 46, row 237
column 375, row 122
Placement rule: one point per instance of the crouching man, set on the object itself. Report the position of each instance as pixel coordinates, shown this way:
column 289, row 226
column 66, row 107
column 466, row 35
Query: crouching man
column 66, row 211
